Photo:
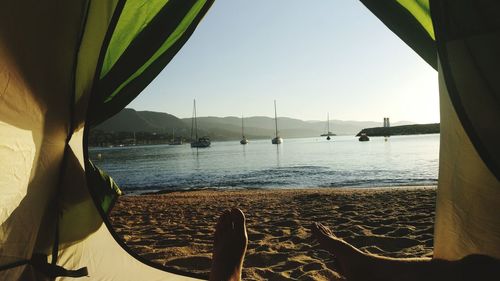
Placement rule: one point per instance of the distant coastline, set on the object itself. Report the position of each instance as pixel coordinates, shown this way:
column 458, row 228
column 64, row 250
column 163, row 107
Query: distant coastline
column 131, row 127
column 417, row 129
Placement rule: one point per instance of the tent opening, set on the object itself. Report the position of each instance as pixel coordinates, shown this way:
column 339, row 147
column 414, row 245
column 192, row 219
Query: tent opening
column 136, row 146
column 69, row 66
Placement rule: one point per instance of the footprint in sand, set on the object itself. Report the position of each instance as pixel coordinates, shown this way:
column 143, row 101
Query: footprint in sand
column 263, row 259
column 198, row 262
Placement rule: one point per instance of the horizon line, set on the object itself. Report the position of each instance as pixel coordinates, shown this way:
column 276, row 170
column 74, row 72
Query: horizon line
column 272, row 117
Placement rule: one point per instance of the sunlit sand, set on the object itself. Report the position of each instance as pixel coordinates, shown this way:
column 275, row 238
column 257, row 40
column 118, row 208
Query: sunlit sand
column 176, row 229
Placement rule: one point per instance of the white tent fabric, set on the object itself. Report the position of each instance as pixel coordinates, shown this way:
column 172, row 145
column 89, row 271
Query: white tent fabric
column 99, row 252
column 468, row 200
column 35, row 79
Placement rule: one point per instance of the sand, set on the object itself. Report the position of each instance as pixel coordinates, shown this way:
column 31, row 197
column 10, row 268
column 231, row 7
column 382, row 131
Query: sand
column 176, row 229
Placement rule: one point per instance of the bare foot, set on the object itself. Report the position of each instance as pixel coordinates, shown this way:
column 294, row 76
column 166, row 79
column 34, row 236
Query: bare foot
column 354, row 264
column 230, row 245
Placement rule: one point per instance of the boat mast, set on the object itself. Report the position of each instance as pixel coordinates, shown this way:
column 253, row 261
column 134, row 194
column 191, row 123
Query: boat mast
column 275, row 119
column 192, row 120
column 195, row 121
column 242, row 130
column 328, row 118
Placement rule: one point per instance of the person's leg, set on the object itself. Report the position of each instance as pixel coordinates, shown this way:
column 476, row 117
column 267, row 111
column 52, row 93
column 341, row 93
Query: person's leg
column 356, row 265
column 230, row 244
column 353, row 264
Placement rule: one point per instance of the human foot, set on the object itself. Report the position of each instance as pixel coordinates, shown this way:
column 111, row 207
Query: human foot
column 354, row 264
column 230, row 245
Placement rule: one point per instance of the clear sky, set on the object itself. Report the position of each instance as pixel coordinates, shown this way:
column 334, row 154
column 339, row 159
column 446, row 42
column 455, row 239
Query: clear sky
column 313, row 57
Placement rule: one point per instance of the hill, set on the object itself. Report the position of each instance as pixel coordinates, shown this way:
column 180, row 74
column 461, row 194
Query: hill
column 225, row 128
column 401, row 130
column 130, row 120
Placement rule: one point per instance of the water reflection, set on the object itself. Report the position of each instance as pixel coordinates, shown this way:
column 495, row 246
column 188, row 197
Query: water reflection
column 278, row 162
column 196, row 158
column 244, row 151
column 304, row 162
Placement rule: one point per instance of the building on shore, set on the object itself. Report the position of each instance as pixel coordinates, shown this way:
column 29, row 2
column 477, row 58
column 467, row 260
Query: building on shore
column 386, row 122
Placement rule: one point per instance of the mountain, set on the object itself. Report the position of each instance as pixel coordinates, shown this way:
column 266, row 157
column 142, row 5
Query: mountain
column 261, row 126
column 130, row 120
column 228, row 128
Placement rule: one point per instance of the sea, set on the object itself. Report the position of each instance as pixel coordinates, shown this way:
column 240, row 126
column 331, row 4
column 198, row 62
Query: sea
column 342, row 162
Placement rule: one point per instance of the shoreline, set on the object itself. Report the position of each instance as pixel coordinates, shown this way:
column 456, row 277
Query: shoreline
column 236, row 140
column 176, row 229
column 272, row 189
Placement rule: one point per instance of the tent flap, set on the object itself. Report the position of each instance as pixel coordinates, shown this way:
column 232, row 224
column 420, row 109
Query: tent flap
column 103, row 187
column 132, row 62
column 468, row 41
column 411, row 21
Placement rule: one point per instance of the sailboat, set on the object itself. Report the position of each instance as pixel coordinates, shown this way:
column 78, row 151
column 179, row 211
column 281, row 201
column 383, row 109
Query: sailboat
column 277, row 139
column 197, row 142
column 243, row 140
column 328, row 133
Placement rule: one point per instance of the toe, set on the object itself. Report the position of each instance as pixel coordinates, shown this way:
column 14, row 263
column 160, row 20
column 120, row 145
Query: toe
column 225, row 221
column 325, row 230
column 218, row 226
column 238, row 219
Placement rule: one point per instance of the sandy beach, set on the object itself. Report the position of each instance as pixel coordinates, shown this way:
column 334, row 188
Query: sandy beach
column 176, row 229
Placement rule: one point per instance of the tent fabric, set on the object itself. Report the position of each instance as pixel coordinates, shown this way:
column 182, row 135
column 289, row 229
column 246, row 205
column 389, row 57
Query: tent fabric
column 99, row 17
column 36, row 74
column 152, row 48
column 103, row 186
column 468, row 44
column 466, row 35
column 411, row 21
column 468, row 40
column 136, row 15
column 50, row 62
column 91, row 244
column 468, row 197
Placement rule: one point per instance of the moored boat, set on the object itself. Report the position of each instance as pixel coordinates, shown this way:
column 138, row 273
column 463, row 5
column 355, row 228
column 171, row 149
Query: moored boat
column 196, row 141
column 277, row 139
column 363, row 137
column 243, row 140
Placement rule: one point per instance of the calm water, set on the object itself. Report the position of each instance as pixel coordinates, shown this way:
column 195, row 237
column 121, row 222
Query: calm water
column 308, row 162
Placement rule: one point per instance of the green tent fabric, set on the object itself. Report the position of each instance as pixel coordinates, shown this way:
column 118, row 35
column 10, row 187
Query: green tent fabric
column 411, row 21
column 68, row 65
column 143, row 42
column 474, row 25
column 65, row 65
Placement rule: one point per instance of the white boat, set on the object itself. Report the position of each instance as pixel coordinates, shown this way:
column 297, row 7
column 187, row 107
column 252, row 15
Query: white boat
column 196, row 141
column 328, row 133
column 243, row 140
column 277, row 139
